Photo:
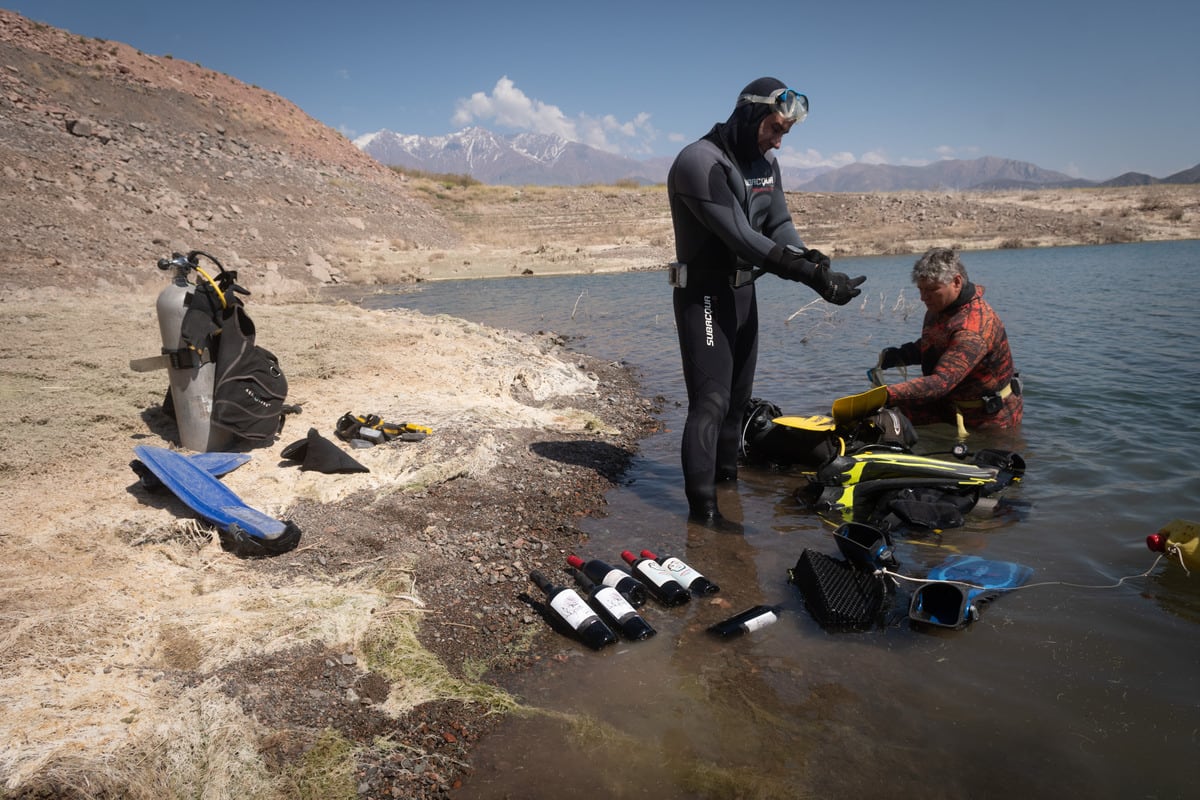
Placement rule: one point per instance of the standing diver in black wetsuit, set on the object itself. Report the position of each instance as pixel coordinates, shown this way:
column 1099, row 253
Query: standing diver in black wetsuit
column 730, row 216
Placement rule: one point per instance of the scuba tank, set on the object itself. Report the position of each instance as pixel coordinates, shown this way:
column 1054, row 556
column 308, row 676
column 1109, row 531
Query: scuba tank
column 225, row 390
column 1178, row 539
column 191, row 379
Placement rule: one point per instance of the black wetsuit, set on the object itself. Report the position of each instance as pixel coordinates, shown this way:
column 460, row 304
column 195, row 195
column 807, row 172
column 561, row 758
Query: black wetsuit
column 729, row 212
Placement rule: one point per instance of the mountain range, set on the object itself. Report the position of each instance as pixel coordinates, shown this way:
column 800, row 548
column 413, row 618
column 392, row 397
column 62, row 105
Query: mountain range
column 549, row 160
column 523, row 159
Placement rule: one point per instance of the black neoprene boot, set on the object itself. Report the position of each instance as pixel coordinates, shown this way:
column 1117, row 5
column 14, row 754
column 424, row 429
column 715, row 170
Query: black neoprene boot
column 702, row 510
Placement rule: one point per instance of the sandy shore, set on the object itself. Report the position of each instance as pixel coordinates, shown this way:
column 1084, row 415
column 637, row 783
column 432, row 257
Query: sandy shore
column 130, row 633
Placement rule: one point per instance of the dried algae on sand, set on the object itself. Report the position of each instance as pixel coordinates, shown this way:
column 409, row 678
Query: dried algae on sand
column 120, row 614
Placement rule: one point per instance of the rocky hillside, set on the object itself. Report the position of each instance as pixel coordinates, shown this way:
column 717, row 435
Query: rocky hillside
column 112, row 158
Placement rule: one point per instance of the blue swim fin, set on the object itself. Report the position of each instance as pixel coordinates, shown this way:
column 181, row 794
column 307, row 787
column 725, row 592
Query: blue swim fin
column 245, row 530
column 949, row 598
column 215, row 464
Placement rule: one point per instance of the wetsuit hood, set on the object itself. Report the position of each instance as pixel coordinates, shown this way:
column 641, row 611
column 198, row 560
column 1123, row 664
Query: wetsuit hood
column 965, row 295
column 738, row 135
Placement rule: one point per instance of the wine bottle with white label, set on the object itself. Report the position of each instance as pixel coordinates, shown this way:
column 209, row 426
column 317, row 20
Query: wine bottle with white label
column 746, row 621
column 660, row 583
column 600, row 572
column 688, row 577
column 567, row 606
column 614, row 609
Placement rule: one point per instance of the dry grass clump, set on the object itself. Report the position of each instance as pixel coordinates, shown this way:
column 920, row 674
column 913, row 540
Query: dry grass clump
column 94, row 658
column 1109, row 234
column 446, row 179
column 199, row 744
column 1155, row 202
column 392, row 649
column 327, row 770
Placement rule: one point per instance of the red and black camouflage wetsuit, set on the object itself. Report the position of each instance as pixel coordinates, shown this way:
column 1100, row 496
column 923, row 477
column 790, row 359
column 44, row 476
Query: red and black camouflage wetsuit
column 964, row 355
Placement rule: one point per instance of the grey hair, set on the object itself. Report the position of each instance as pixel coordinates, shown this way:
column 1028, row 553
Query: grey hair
column 940, row 265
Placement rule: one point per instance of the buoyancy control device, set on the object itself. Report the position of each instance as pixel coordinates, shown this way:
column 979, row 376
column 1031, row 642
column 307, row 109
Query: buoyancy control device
column 887, row 488
column 771, row 438
column 863, row 469
column 224, row 389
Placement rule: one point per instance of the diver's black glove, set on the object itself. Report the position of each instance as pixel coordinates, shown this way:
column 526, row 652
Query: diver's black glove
column 816, row 256
column 837, row 287
column 811, row 267
column 792, row 263
column 891, row 357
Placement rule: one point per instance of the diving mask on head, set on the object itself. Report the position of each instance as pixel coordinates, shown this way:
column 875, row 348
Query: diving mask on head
column 788, row 103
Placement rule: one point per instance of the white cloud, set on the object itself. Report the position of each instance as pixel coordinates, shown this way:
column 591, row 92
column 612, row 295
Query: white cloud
column 945, row 151
column 880, row 156
column 632, row 128
column 509, row 107
column 791, row 157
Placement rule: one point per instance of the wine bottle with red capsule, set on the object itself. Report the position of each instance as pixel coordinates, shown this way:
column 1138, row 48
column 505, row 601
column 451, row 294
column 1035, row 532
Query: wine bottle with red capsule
column 568, row 607
column 687, row 576
column 746, row 621
column 600, row 572
column 660, row 583
column 614, row 609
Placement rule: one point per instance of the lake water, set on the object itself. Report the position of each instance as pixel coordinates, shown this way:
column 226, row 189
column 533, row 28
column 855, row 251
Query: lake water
column 1076, row 686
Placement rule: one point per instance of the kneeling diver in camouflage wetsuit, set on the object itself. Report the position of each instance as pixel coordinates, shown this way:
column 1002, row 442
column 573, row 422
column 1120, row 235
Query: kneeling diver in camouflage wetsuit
column 967, row 375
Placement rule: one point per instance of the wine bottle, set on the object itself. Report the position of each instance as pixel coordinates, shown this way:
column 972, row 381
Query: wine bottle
column 687, row 577
column 619, row 579
column 746, row 621
column 567, row 606
column 657, row 580
column 614, row 608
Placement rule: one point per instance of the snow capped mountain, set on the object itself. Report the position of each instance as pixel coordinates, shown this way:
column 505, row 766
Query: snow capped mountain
column 461, row 152
column 548, row 160
column 522, row 159
column 539, row 146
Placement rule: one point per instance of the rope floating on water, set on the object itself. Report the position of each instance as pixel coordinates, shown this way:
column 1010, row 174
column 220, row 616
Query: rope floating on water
column 1146, row 574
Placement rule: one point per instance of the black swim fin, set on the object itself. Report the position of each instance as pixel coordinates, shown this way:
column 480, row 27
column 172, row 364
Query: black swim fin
column 317, row 453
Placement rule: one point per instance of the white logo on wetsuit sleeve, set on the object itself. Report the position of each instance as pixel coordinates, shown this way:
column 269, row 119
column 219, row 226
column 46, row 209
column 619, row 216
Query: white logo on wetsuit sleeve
column 708, row 321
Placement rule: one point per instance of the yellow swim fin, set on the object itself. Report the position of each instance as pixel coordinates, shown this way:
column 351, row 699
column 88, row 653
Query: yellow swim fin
column 813, row 423
column 849, row 408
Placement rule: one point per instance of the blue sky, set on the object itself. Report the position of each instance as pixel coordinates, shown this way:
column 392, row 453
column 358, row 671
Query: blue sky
column 1092, row 89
